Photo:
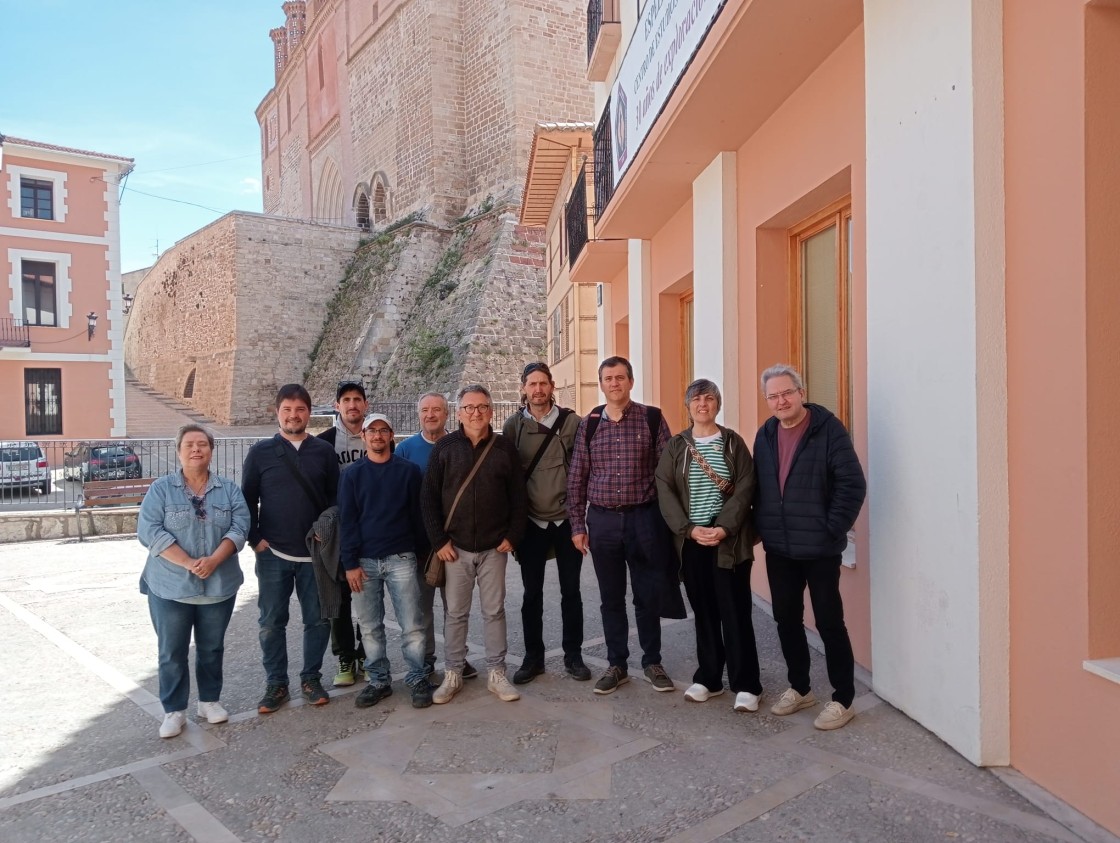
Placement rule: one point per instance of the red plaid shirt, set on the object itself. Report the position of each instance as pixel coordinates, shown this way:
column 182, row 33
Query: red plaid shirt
column 617, row 468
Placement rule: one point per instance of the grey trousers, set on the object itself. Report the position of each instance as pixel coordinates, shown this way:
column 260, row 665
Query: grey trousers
column 488, row 569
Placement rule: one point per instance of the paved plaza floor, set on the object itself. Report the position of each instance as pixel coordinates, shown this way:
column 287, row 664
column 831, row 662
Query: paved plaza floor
column 80, row 758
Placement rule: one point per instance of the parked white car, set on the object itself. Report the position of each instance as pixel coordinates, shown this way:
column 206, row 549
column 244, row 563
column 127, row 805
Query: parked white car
column 24, row 465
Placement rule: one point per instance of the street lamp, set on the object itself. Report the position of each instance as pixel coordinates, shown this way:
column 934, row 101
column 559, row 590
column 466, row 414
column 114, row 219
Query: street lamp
column 91, row 324
column 127, row 302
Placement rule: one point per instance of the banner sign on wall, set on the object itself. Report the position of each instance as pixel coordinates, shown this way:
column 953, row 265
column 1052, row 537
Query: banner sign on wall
column 668, row 35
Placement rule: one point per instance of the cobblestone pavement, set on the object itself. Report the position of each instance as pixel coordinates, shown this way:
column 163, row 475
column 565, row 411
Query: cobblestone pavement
column 81, row 759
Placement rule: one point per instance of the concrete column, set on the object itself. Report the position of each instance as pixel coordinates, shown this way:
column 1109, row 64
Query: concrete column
column 641, row 318
column 604, row 323
column 937, row 373
column 715, row 280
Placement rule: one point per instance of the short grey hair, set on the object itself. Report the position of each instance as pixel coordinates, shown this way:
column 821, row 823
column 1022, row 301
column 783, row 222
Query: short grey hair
column 703, row 386
column 438, row 395
column 473, row 387
column 782, row 370
column 193, row 428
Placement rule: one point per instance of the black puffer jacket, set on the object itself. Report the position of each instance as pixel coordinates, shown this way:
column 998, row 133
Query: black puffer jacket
column 823, row 495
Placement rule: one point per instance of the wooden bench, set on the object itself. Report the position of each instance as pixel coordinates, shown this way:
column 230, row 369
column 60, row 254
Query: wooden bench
column 98, row 494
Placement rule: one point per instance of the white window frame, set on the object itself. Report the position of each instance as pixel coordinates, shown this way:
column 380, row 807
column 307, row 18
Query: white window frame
column 62, row 283
column 57, row 178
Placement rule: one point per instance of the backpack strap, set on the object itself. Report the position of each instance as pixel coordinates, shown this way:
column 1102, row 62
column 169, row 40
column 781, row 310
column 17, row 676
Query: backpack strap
column 653, row 418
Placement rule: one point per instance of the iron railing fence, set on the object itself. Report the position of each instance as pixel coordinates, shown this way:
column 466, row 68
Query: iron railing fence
column 69, row 460
column 604, row 173
column 599, row 12
column 72, row 461
column 14, row 333
column 575, row 215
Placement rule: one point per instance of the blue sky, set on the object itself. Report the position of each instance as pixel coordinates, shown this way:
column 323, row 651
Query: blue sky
column 170, row 83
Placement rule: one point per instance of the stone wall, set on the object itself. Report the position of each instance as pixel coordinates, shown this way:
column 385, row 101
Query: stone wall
column 425, row 308
column 240, row 303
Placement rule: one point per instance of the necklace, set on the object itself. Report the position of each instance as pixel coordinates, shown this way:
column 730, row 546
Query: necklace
column 200, row 489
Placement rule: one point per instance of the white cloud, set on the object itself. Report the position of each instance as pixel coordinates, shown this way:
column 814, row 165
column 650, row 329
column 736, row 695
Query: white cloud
column 250, row 187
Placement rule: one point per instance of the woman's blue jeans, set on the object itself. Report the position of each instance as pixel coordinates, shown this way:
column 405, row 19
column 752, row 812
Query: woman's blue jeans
column 174, row 623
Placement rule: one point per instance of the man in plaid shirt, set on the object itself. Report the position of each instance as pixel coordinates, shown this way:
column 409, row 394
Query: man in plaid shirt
column 612, row 505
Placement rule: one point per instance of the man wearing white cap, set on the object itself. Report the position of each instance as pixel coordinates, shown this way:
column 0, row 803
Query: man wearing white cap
column 382, row 529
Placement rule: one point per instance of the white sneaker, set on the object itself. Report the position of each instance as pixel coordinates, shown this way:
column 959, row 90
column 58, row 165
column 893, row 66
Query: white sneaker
column 700, row 693
column 451, row 685
column 498, row 685
column 172, row 725
column 746, row 701
column 213, row 712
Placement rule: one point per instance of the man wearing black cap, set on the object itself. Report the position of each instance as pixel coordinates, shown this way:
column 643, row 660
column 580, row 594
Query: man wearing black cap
column 345, row 437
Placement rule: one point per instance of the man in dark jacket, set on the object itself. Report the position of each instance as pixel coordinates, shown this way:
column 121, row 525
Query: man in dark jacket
column 487, row 522
column 288, row 481
column 809, row 493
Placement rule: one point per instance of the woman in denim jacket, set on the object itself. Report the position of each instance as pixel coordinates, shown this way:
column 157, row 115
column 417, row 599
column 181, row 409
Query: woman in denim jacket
column 193, row 524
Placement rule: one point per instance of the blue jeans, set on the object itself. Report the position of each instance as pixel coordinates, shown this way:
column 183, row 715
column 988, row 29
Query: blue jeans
column 173, row 622
column 397, row 574
column 277, row 578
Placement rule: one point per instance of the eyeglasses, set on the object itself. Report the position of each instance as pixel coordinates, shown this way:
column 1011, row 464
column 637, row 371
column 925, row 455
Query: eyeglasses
column 471, row 409
column 379, row 431
column 197, row 503
column 778, row 396
column 351, row 382
column 535, row 367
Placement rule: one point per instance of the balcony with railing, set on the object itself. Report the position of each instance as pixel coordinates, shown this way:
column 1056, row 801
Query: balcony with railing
column 14, row 333
column 590, row 259
column 604, row 33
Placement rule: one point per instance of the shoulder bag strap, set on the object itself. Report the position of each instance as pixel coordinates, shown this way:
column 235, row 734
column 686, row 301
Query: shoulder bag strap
column 467, row 482
column 725, row 486
column 549, row 432
column 298, row 475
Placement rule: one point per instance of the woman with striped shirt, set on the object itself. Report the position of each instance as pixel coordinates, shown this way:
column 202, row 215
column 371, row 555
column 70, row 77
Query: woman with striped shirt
column 705, row 481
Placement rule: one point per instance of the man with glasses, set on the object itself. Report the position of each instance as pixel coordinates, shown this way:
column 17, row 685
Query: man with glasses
column 612, row 505
column 433, row 413
column 288, row 481
column 488, row 512
column 544, row 435
column 345, row 436
column 382, row 529
column 809, row 492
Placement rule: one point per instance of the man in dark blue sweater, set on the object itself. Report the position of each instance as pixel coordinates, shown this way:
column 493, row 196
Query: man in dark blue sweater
column 288, row 481
column 382, row 528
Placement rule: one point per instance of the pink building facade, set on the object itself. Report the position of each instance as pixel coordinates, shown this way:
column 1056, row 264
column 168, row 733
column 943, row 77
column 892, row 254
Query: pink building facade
column 61, row 315
column 917, row 205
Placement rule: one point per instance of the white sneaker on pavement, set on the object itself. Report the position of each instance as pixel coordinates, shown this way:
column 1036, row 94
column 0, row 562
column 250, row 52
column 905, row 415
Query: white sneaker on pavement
column 213, row 712
column 451, row 685
column 172, row 725
column 746, row 701
column 700, row 693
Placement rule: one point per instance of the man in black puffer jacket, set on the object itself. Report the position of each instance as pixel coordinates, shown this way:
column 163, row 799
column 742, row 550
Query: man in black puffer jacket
column 810, row 490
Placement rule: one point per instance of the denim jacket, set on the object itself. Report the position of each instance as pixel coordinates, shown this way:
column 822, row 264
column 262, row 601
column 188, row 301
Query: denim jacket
column 168, row 517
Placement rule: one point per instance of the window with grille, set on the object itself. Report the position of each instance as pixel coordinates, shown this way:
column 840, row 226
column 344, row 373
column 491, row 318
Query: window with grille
column 42, row 389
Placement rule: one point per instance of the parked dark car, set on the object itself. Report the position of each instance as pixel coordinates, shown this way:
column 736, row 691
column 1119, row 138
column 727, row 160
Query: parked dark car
column 24, row 465
column 108, row 461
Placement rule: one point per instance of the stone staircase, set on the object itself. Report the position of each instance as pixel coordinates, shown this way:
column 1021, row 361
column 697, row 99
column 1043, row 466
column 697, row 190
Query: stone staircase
column 153, row 414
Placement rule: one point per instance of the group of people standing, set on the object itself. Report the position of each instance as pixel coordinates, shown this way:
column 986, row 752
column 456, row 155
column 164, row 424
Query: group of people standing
column 347, row 517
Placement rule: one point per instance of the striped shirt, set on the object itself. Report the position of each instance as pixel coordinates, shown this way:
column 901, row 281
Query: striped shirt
column 704, row 497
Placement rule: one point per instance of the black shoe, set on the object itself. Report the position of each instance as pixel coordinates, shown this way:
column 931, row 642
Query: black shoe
column 274, row 697
column 371, row 695
column 421, row 694
column 576, row 668
column 313, row 692
column 529, row 668
column 469, row 670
